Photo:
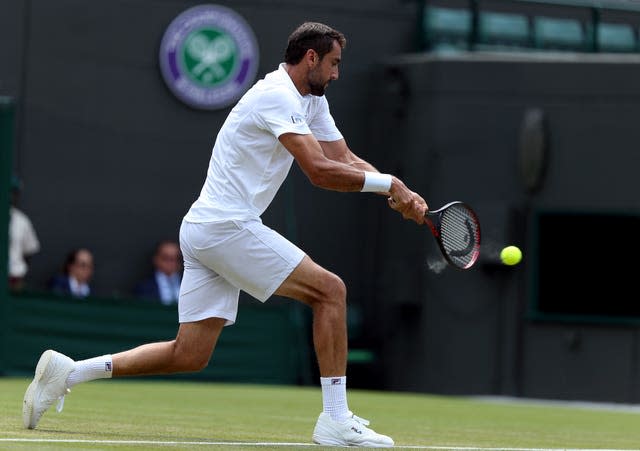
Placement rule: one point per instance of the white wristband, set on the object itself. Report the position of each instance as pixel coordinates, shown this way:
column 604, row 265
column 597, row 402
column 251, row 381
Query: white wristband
column 374, row 182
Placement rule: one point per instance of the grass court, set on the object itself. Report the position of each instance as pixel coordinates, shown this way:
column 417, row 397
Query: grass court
column 146, row 414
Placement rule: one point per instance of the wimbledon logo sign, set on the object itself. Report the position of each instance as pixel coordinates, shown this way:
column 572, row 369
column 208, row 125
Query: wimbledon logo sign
column 208, row 56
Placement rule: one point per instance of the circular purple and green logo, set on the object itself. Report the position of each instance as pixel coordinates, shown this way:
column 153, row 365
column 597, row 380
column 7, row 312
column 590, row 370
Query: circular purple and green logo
column 209, row 56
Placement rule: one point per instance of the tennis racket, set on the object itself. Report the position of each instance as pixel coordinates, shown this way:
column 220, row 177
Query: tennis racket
column 456, row 228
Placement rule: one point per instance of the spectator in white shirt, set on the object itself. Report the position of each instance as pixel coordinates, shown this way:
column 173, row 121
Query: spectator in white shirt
column 23, row 240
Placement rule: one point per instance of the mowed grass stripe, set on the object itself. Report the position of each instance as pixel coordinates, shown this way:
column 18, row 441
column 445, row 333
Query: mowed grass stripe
column 260, row 445
column 161, row 411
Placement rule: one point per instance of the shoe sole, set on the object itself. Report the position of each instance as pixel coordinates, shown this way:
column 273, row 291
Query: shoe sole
column 366, row 444
column 344, row 444
column 33, row 390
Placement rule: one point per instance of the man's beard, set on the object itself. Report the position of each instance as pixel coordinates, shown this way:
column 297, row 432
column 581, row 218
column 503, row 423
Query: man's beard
column 316, row 86
column 317, row 89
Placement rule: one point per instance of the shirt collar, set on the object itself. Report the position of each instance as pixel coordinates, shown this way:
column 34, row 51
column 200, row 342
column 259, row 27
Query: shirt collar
column 282, row 72
column 77, row 288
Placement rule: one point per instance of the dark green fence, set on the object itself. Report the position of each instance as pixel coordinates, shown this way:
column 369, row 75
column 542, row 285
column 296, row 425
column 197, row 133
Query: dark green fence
column 268, row 344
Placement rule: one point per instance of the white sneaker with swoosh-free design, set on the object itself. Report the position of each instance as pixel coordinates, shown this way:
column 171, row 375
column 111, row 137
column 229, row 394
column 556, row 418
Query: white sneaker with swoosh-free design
column 48, row 386
column 352, row 432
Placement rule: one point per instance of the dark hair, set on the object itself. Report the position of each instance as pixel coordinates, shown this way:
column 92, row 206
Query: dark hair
column 312, row 35
column 71, row 257
column 165, row 242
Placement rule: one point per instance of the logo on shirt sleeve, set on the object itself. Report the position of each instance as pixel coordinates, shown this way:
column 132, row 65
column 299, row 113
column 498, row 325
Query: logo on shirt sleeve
column 297, row 119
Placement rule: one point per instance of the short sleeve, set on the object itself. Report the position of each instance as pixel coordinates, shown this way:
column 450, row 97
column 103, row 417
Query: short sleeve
column 322, row 124
column 280, row 112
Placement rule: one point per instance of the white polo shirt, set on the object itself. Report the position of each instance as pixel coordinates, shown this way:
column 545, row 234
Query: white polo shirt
column 23, row 242
column 248, row 163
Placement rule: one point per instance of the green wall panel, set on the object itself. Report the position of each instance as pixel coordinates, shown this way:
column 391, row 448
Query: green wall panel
column 268, row 344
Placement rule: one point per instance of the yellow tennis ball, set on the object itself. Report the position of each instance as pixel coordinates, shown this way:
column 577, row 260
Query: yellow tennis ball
column 511, row 255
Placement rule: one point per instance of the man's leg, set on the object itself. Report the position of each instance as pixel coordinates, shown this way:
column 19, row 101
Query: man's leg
column 326, row 294
column 189, row 352
column 56, row 373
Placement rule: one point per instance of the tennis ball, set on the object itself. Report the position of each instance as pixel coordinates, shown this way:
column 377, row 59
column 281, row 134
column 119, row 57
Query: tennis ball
column 511, row 255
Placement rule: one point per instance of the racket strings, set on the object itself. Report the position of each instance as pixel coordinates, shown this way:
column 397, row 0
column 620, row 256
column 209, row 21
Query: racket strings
column 460, row 235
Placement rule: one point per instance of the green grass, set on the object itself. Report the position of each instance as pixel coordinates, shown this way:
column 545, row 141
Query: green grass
column 177, row 411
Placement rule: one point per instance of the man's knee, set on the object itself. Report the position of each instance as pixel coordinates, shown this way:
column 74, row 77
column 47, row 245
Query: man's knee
column 195, row 342
column 333, row 291
column 198, row 362
column 314, row 285
column 191, row 359
column 338, row 289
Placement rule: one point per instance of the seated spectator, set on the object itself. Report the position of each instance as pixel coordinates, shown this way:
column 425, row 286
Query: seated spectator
column 23, row 240
column 164, row 283
column 77, row 274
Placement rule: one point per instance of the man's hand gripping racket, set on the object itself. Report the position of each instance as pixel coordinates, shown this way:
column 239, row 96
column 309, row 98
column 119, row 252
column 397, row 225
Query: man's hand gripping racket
column 456, row 228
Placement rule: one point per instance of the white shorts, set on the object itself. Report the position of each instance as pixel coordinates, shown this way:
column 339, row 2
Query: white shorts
column 222, row 258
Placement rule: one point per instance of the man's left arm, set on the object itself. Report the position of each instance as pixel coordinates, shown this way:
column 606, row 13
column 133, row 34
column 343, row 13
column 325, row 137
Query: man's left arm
column 339, row 151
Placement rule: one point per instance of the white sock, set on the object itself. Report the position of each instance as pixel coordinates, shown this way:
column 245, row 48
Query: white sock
column 90, row 369
column 334, row 397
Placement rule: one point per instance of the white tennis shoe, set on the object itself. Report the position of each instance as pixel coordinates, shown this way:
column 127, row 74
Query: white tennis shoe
column 352, row 432
column 48, row 386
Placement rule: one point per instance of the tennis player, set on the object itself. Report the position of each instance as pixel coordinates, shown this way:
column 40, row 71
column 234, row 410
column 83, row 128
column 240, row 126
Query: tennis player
column 226, row 248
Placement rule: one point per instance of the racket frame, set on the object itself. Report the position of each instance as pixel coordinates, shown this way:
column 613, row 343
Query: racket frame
column 433, row 218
